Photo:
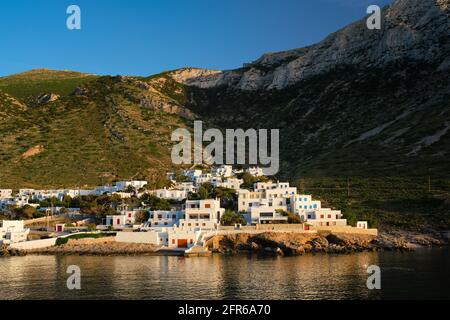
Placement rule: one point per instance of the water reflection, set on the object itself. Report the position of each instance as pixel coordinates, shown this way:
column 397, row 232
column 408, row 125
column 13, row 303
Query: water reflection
column 404, row 275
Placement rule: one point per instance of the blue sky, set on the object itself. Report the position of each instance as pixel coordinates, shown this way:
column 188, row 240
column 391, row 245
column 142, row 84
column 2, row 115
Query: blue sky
column 144, row 37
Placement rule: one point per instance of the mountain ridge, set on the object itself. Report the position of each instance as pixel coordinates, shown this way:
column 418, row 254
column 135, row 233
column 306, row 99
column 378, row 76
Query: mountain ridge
column 411, row 29
column 341, row 119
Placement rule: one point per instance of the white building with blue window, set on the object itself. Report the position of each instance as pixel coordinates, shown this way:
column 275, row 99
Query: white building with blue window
column 311, row 211
column 264, row 203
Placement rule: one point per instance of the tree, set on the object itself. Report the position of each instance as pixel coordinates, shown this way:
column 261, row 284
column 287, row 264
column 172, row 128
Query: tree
column 130, row 189
column 293, row 218
column 230, row 218
column 142, row 216
column 154, row 202
column 203, row 193
column 28, row 212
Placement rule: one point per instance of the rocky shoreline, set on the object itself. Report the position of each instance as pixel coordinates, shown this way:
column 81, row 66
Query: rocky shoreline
column 289, row 243
column 267, row 243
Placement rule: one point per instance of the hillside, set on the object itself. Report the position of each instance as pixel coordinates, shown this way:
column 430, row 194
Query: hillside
column 105, row 129
column 361, row 102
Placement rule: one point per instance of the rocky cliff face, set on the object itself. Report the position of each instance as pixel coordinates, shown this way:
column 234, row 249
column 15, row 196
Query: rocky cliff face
column 411, row 29
column 360, row 101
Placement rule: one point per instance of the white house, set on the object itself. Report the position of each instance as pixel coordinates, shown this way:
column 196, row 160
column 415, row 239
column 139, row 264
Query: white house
column 186, row 186
column 199, row 218
column 123, row 195
column 264, row 203
column 204, row 178
column 223, row 170
column 362, row 225
column 255, row 171
column 136, row 184
column 192, row 174
column 13, row 232
column 325, row 217
column 126, row 217
column 204, row 214
column 5, row 194
column 302, row 204
column 19, row 201
column 230, row 183
column 163, row 219
column 266, row 194
column 177, row 195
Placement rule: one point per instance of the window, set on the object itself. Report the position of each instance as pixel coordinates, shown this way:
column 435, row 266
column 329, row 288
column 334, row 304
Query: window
column 321, row 216
column 156, row 223
column 204, row 224
column 174, row 216
column 207, row 206
column 159, row 216
column 329, row 216
column 304, row 199
column 315, row 206
column 173, row 241
column 309, row 216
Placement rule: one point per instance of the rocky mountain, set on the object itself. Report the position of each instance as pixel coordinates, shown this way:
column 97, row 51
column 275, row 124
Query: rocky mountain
column 415, row 30
column 361, row 102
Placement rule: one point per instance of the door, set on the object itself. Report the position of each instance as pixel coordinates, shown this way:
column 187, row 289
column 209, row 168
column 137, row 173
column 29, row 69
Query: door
column 182, row 243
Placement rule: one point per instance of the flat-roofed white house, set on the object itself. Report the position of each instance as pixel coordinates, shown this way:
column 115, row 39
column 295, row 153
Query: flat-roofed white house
column 169, row 194
column 5, row 194
column 163, row 219
column 223, row 170
column 203, row 214
column 13, row 232
column 104, row 190
column 116, row 221
column 264, row 203
column 186, row 186
column 193, row 174
column 182, row 238
column 136, row 184
column 274, row 195
column 311, row 211
column 206, row 177
column 19, row 201
column 326, row 217
column 126, row 217
column 255, row 171
column 301, row 204
column 230, row 183
column 362, row 225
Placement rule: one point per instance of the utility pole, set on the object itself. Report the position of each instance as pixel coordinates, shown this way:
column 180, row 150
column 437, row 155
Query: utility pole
column 429, row 184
